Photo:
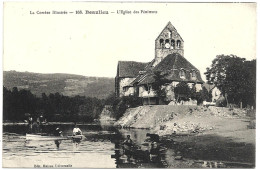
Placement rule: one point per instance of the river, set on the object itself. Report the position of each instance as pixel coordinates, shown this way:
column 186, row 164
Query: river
column 102, row 148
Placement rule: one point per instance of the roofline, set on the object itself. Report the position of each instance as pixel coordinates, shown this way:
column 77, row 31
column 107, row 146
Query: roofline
column 133, row 61
column 126, row 77
column 188, row 81
column 165, row 27
column 186, row 60
column 128, row 86
column 118, row 66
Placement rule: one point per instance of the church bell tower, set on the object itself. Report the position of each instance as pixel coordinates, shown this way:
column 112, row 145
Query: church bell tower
column 169, row 41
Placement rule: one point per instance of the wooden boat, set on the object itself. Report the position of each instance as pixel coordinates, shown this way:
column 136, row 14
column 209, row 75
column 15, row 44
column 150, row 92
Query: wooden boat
column 76, row 137
column 43, row 137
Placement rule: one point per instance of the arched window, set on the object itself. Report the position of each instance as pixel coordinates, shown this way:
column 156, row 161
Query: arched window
column 170, row 34
column 178, row 44
column 193, row 74
column 167, row 43
column 161, row 43
column 182, row 74
column 172, row 43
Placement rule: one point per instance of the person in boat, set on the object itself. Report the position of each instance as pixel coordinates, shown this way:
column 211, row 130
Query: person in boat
column 127, row 147
column 41, row 119
column 154, row 152
column 128, row 141
column 76, row 130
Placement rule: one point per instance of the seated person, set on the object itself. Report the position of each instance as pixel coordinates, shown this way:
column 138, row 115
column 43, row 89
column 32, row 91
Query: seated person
column 128, row 141
column 76, row 131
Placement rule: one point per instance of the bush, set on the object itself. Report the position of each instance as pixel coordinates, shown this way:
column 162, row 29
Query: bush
column 252, row 124
column 251, row 113
column 221, row 102
column 121, row 104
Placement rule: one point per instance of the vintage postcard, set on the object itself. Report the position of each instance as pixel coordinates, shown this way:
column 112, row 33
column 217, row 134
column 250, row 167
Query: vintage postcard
column 129, row 85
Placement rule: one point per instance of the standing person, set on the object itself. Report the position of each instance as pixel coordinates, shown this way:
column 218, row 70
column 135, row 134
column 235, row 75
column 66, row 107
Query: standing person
column 57, row 132
column 30, row 124
column 76, row 130
column 30, row 120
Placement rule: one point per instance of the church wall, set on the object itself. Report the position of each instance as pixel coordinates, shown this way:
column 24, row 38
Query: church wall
column 160, row 54
column 129, row 91
column 124, row 82
column 144, row 93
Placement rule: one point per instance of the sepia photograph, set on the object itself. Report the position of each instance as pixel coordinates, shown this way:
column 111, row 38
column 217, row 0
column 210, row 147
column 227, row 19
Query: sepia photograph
column 129, row 85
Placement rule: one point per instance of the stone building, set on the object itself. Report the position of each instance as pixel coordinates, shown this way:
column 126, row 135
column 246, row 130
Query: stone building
column 126, row 73
column 135, row 78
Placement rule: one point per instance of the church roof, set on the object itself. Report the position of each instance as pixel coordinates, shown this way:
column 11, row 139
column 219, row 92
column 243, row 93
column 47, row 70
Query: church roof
column 174, row 61
column 172, row 65
column 129, row 68
column 169, row 26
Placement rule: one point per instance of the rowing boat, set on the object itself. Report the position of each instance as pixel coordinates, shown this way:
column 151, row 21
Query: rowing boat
column 43, row 137
column 76, row 137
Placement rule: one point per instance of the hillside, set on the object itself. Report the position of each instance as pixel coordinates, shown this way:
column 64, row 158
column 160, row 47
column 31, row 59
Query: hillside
column 66, row 84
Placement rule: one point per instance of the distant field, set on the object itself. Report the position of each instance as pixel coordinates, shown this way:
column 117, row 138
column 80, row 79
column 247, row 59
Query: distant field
column 66, row 84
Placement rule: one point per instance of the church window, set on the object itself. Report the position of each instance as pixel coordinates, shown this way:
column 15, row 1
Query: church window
column 146, row 87
column 178, row 44
column 170, row 34
column 173, row 43
column 161, row 43
column 193, row 74
column 182, row 74
column 167, row 43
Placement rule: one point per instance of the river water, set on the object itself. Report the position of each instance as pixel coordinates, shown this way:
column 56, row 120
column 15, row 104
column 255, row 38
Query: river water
column 102, row 148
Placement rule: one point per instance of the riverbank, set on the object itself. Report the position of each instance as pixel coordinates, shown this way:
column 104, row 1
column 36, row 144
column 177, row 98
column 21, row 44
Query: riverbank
column 168, row 120
column 198, row 133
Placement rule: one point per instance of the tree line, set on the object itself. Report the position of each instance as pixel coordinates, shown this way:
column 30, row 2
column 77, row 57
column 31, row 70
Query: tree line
column 19, row 104
column 235, row 77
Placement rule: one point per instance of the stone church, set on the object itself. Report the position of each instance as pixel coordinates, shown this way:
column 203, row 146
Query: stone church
column 136, row 78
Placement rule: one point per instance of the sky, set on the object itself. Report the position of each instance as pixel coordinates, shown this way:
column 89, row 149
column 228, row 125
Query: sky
column 92, row 44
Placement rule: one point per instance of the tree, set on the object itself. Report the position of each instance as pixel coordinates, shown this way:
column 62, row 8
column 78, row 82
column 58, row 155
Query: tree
column 200, row 96
column 250, row 71
column 55, row 107
column 182, row 91
column 159, row 81
column 120, row 104
column 110, row 99
column 230, row 74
